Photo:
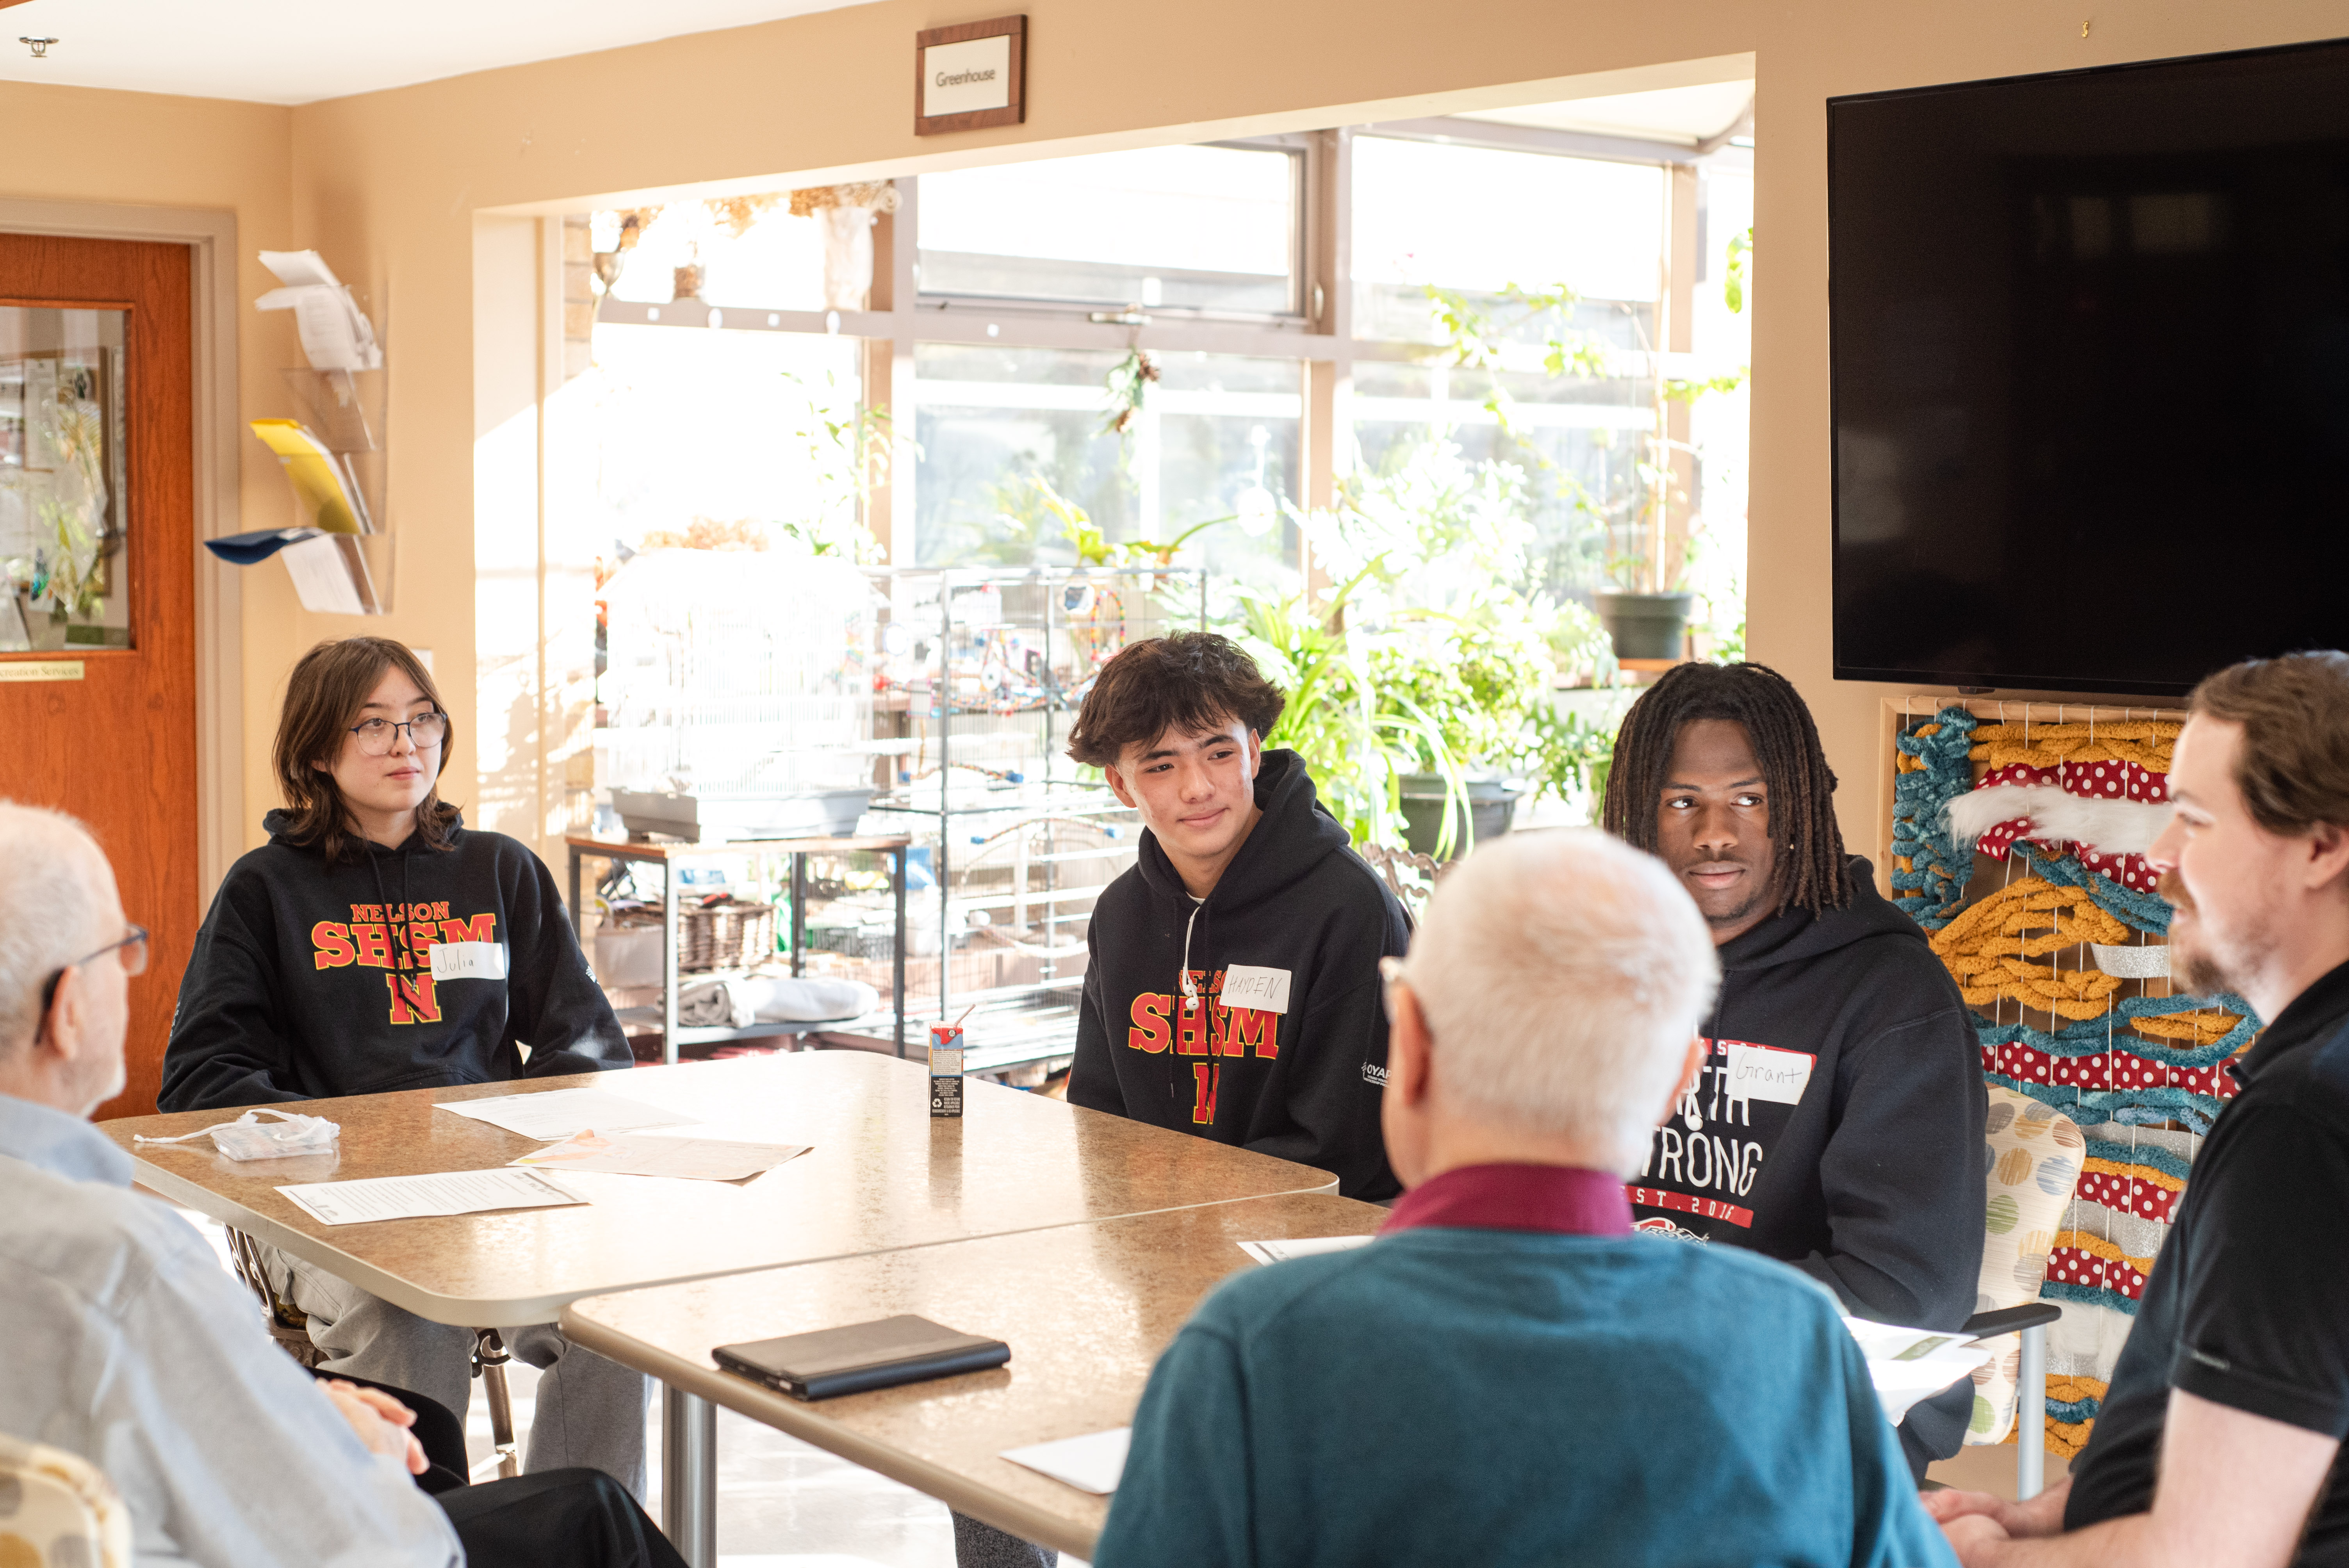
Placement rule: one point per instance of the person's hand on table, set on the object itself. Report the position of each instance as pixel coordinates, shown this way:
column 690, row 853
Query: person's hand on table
column 380, row 1421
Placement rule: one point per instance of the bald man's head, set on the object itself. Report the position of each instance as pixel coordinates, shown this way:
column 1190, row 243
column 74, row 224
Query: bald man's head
column 1562, row 976
column 57, row 903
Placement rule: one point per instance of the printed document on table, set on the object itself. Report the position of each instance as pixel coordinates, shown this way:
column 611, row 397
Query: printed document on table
column 1301, row 1247
column 661, row 1154
column 559, row 1113
column 372, row 1198
column 1091, row 1463
column 1912, row 1363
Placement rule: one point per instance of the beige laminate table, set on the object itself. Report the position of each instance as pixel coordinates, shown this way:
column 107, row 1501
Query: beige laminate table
column 1085, row 1308
column 882, row 1174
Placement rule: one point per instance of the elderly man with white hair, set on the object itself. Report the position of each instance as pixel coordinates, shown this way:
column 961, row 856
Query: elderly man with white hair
column 1508, row 1375
column 129, row 1345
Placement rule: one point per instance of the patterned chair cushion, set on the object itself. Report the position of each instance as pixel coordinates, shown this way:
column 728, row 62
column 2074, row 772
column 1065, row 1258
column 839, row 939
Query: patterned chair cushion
column 58, row 1510
column 2032, row 1157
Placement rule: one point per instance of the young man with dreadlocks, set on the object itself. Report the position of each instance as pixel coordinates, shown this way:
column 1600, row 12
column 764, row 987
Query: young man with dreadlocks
column 1837, row 1122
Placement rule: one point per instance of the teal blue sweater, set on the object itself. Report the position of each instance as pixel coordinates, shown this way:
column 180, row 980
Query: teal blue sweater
column 1504, row 1397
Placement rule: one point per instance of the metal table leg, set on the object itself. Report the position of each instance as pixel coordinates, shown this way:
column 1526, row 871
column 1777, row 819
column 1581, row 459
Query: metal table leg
column 2031, row 1415
column 690, row 1476
column 799, row 912
column 668, row 961
column 905, row 857
column 578, row 923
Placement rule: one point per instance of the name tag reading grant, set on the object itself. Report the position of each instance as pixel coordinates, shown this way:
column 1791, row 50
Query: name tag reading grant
column 468, row 961
column 1765, row 1072
column 1260, row 990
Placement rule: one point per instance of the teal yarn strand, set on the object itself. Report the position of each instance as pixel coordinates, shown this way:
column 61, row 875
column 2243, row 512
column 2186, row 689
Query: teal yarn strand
column 1930, row 890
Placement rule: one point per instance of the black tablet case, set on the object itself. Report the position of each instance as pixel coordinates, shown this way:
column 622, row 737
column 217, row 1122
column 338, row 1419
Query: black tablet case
column 863, row 1356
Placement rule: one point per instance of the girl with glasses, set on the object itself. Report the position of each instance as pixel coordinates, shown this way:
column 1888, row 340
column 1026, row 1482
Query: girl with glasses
column 374, row 943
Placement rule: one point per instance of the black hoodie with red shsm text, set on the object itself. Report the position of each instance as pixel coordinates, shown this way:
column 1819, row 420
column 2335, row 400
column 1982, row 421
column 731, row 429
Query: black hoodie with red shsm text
column 311, row 979
column 1302, row 1084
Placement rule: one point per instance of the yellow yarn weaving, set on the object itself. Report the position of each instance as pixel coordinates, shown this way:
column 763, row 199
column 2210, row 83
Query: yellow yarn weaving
column 2147, row 743
column 1985, row 948
column 2097, row 1165
column 2201, row 1027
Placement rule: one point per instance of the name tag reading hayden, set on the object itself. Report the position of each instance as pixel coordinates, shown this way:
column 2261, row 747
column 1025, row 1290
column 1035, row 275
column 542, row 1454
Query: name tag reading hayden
column 1258, row 989
column 467, row 961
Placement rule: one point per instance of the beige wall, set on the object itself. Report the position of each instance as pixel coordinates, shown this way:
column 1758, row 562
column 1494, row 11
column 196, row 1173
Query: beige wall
column 410, row 193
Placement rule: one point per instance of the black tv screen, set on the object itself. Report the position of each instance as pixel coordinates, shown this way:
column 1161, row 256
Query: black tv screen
column 2090, row 343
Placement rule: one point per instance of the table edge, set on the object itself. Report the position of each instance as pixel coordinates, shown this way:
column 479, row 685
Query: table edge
column 801, row 1419
column 467, row 1312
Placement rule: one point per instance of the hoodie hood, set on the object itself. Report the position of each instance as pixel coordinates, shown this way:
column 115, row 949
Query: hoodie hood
column 277, row 819
column 1290, row 841
column 1797, row 936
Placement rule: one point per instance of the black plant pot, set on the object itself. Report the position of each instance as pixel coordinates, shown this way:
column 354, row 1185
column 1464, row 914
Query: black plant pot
column 1644, row 625
column 1491, row 802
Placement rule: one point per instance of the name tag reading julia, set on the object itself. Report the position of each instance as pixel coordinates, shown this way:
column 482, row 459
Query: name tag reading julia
column 1766, row 1072
column 467, row 961
column 1258, row 989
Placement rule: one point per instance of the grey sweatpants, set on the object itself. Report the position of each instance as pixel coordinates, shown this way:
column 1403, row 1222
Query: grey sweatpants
column 590, row 1411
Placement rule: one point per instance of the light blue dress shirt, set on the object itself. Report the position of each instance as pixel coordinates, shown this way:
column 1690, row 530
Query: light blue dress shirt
column 128, row 1344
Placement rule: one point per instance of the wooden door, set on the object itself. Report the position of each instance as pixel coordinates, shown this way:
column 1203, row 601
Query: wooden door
column 98, row 667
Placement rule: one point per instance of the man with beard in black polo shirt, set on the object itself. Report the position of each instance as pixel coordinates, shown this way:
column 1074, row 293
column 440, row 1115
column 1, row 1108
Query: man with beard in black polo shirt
column 2217, row 1440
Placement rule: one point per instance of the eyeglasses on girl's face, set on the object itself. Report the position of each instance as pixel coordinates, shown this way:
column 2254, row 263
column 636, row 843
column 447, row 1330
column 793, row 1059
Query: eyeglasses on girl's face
column 425, row 732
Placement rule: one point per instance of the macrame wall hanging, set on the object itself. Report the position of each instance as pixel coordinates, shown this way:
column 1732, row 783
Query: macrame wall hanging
column 2074, row 1006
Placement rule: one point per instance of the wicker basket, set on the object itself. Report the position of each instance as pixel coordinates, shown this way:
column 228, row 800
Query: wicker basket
column 734, row 934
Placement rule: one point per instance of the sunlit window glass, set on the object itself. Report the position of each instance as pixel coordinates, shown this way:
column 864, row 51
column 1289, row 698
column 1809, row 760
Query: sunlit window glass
column 1005, row 432
column 1201, row 228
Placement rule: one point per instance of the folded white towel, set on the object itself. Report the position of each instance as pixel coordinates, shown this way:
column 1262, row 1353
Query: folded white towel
column 772, row 999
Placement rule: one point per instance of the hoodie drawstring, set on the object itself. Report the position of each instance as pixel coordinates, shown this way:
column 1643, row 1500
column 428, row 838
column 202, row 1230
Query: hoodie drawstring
column 1189, row 986
column 1189, row 989
column 375, row 863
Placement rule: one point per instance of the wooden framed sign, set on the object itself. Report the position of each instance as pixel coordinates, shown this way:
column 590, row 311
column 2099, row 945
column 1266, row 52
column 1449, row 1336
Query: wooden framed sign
column 970, row 76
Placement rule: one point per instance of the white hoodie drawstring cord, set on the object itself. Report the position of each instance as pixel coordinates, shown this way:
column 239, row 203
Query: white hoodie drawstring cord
column 1190, row 986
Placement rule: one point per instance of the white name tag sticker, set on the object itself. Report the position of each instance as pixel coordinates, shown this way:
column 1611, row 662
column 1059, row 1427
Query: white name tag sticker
column 468, row 961
column 1766, row 1072
column 1257, row 989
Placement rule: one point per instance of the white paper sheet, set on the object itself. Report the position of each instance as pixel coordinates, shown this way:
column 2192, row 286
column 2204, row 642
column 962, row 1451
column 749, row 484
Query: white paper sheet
column 559, row 1113
column 1091, row 1463
column 661, row 1154
column 373, row 1198
column 1912, row 1363
column 321, row 580
column 1303, row 1247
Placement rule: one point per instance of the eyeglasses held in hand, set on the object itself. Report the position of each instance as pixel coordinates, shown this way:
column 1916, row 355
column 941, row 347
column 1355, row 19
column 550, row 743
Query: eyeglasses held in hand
column 425, row 732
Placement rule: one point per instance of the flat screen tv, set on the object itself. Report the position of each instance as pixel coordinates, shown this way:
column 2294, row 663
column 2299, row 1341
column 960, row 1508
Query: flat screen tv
column 2090, row 340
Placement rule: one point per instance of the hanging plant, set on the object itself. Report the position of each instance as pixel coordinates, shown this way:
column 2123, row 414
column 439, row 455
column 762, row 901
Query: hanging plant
column 1129, row 389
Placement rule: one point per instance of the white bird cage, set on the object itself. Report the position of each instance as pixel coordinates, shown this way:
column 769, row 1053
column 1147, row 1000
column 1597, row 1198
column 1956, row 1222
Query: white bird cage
column 740, row 676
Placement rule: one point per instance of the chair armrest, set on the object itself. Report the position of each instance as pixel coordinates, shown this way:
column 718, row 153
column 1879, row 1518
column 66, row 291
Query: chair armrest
column 2010, row 1319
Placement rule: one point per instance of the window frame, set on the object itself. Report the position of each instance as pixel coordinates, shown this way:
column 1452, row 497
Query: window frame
column 1116, row 317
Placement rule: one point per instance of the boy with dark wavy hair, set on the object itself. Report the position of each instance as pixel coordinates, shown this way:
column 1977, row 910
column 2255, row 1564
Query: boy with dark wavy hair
column 1232, row 990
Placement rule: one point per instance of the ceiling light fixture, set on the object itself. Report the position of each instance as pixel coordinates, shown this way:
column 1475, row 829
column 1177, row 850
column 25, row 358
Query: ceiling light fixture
column 40, row 46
